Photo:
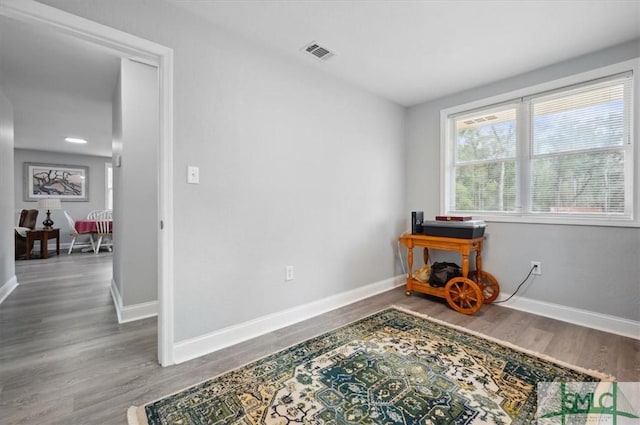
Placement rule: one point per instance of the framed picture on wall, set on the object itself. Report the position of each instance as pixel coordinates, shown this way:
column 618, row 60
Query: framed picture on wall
column 66, row 182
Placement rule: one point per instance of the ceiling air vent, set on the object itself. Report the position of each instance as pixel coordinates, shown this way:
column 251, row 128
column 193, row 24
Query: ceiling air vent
column 319, row 52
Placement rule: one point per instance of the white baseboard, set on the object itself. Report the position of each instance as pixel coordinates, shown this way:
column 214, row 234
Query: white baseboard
column 208, row 343
column 133, row 312
column 7, row 288
column 589, row 319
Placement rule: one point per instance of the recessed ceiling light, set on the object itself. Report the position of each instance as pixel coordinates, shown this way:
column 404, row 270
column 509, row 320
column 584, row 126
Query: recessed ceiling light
column 75, row 140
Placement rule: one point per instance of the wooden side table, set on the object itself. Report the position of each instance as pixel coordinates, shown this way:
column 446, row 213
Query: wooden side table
column 43, row 235
column 465, row 294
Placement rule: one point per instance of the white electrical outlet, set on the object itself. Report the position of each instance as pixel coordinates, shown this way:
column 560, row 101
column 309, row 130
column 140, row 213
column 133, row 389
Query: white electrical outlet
column 193, row 174
column 538, row 267
column 288, row 273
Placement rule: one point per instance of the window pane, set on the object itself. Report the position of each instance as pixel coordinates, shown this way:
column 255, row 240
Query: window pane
column 579, row 183
column 587, row 119
column 109, row 177
column 486, row 136
column 486, row 187
column 109, row 187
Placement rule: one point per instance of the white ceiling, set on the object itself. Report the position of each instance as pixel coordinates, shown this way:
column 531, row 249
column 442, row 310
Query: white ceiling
column 409, row 51
column 406, row 51
column 59, row 86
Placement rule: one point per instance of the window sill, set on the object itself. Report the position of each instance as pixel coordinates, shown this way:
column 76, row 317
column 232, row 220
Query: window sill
column 552, row 220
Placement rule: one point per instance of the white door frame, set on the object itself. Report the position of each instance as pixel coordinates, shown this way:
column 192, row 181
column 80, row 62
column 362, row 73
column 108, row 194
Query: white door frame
column 127, row 45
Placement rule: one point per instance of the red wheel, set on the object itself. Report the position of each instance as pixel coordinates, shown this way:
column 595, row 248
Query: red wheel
column 488, row 284
column 463, row 295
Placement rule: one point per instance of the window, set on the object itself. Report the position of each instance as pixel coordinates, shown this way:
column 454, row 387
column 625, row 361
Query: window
column 108, row 190
column 560, row 155
column 578, row 139
column 485, row 160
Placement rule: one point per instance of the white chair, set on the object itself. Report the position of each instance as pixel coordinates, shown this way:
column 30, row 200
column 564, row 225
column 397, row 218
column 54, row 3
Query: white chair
column 104, row 227
column 74, row 233
column 93, row 215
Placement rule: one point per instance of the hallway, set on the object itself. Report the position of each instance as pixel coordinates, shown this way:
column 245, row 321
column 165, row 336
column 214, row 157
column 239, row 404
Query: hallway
column 61, row 347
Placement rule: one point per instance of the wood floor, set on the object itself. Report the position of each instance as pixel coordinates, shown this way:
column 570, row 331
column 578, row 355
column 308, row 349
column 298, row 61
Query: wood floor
column 64, row 359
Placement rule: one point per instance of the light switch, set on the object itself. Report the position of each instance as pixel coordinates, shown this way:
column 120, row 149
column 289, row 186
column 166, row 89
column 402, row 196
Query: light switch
column 193, row 174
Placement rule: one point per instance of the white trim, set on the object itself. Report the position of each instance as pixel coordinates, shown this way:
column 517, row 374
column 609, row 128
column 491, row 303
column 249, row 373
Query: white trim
column 40, row 15
column 208, row 343
column 616, row 68
column 117, row 299
column 7, row 288
column 589, row 319
column 165, row 209
column 133, row 312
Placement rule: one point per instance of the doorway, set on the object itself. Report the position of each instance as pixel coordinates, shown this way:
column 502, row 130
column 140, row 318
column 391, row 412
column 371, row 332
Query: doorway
column 135, row 48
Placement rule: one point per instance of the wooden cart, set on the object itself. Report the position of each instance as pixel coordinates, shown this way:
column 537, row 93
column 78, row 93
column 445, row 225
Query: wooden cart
column 465, row 294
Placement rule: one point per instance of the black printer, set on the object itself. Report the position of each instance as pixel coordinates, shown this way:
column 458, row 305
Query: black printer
column 469, row 229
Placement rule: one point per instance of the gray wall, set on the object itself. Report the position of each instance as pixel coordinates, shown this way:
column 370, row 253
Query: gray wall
column 296, row 169
column 135, row 128
column 7, row 221
column 585, row 267
column 76, row 210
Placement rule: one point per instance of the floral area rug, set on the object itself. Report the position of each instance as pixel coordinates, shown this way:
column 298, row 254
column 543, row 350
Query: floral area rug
column 394, row 367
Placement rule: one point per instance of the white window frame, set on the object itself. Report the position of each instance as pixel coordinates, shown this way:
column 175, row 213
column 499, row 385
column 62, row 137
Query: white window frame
column 107, row 189
column 522, row 154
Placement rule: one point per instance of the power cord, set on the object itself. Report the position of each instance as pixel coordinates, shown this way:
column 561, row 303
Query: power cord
column 519, row 286
column 404, row 269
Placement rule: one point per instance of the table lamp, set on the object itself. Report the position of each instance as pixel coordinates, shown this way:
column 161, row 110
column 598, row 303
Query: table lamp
column 49, row 204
